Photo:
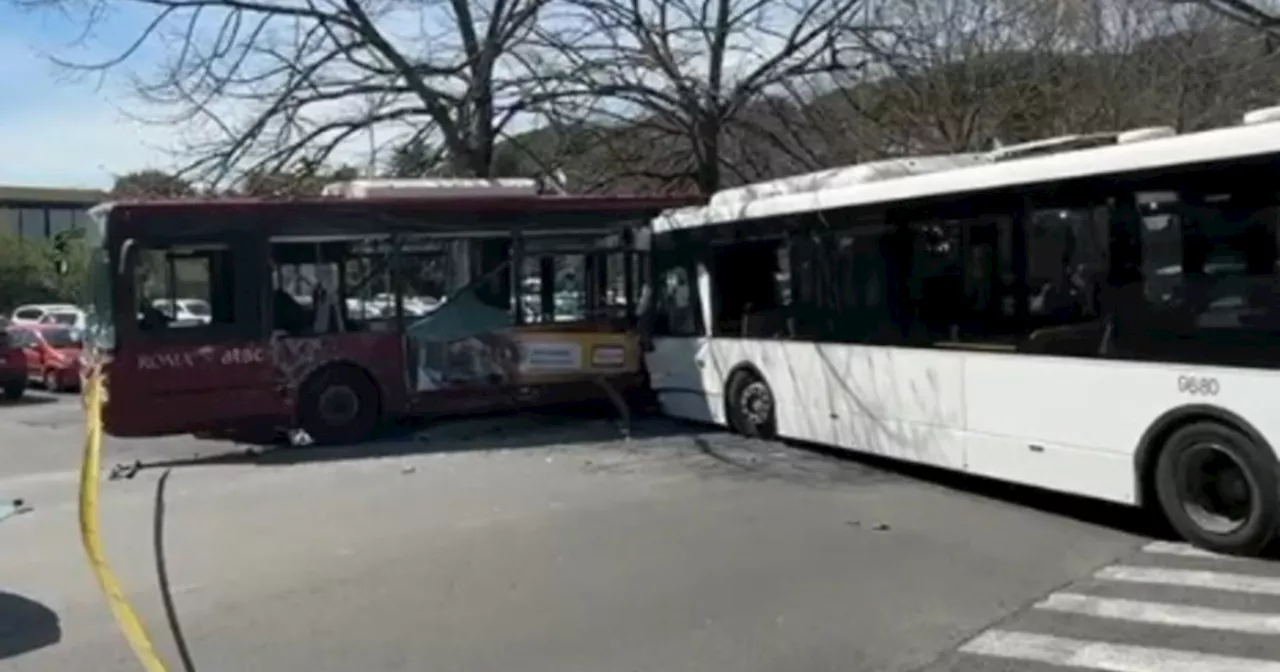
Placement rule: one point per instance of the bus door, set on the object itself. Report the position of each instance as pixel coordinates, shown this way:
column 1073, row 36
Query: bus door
column 191, row 350
column 567, row 286
column 676, row 326
column 552, row 282
column 575, row 312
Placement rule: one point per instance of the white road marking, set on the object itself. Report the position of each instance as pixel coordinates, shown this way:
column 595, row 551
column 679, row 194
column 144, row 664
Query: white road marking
column 1236, row 583
column 1184, row 550
column 1093, row 655
column 1160, row 613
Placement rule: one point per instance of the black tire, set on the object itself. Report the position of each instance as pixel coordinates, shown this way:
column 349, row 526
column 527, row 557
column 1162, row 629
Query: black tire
column 14, row 391
column 1235, row 510
column 751, row 406
column 51, row 383
column 339, row 405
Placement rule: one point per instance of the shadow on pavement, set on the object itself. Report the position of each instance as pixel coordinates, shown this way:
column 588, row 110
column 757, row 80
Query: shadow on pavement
column 25, row 625
column 708, row 452
column 713, row 453
column 29, row 399
column 1132, row 520
column 583, row 424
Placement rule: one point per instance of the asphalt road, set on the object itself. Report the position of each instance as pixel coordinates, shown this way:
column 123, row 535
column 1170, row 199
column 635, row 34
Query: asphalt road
column 539, row 544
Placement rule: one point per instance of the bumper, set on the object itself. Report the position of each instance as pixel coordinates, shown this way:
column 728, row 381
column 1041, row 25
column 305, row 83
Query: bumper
column 10, row 376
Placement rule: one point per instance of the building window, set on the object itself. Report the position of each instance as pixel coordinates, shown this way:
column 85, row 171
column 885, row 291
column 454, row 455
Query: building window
column 8, row 221
column 31, row 223
column 61, row 220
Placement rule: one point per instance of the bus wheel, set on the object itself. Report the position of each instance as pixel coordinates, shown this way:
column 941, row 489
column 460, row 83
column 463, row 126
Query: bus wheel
column 15, row 391
column 339, row 405
column 751, row 406
column 1218, row 488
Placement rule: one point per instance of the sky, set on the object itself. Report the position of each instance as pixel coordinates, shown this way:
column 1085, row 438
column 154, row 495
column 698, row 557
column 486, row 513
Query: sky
column 64, row 130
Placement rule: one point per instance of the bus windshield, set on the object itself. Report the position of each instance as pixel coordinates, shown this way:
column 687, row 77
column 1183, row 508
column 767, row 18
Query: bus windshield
column 101, row 333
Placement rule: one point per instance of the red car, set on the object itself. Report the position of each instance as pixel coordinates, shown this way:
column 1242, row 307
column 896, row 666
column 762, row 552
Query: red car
column 13, row 366
column 51, row 354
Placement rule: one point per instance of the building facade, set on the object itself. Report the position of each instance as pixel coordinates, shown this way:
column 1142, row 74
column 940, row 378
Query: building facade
column 37, row 213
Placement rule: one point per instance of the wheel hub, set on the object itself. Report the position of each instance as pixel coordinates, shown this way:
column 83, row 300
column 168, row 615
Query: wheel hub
column 1216, row 492
column 338, row 405
column 757, row 403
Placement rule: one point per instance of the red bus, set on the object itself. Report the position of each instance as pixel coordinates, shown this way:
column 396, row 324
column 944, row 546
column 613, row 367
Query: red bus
column 250, row 318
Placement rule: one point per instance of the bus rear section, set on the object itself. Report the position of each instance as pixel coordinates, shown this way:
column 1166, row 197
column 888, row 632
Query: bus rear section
column 1102, row 320
column 336, row 314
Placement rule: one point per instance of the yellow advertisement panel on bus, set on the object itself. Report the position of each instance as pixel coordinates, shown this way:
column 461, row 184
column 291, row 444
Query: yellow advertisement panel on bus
column 524, row 356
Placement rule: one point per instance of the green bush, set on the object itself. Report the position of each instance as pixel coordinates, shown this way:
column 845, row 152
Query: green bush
column 29, row 272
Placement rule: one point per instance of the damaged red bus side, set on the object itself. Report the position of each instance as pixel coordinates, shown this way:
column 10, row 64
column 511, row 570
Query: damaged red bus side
column 331, row 315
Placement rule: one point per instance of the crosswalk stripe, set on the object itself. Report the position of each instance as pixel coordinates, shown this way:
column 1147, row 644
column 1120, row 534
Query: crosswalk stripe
column 1236, row 583
column 1160, row 613
column 1184, row 550
column 1095, row 655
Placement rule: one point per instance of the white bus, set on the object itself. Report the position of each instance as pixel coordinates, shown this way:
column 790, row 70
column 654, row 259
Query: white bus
column 1094, row 314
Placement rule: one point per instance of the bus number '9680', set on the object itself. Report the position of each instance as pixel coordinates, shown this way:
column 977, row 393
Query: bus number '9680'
column 1198, row 386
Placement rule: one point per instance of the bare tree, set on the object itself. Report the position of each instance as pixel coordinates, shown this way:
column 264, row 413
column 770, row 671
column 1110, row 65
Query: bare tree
column 148, row 184
column 303, row 178
column 265, row 83
column 1258, row 14
column 668, row 81
column 945, row 75
column 962, row 75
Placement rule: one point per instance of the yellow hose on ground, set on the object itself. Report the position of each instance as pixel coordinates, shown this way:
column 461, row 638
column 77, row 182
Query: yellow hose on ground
column 134, row 631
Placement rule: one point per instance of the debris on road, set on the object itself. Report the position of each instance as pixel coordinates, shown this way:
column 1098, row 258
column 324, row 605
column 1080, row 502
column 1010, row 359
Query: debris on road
column 13, row 507
column 125, row 471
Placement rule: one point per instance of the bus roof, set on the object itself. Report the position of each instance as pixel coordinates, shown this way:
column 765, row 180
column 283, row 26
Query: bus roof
column 466, row 203
column 337, row 215
column 900, row 180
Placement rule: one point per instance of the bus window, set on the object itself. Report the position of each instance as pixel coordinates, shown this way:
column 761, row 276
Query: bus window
column 753, row 282
column 960, row 281
column 184, row 287
column 1068, row 257
column 570, row 298
column 328, row 287
column 1067, row 262
column 99, row 320
column 554, row 288
column 677, row 312
column 1210, row 283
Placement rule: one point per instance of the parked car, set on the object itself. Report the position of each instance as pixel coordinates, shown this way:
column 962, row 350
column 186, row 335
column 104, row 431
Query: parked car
column 32, row 313
column 74, row 319
column 185, row 311
column 50, row 354
column 13, row 366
